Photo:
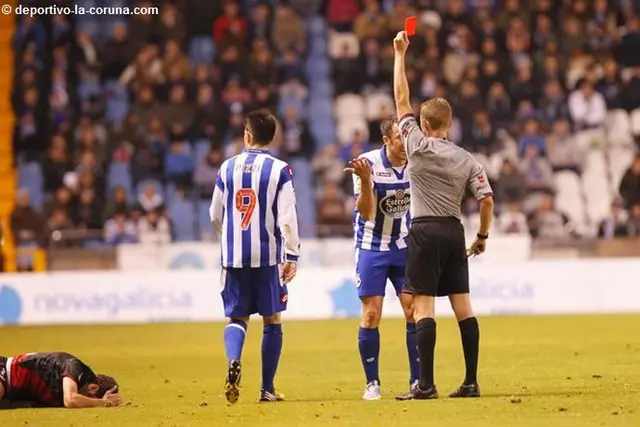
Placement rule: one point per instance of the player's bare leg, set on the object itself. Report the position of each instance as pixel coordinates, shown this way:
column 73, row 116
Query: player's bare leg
column 470, row 335
column 424, row 314
column 234, row 335
column 406, row 301
column 271, row 349
column 369, row 344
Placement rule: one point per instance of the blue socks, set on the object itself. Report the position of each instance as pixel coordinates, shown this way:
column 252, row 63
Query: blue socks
column 412, row 351
column 234, row 334
column 271, row 349
column 369, row 345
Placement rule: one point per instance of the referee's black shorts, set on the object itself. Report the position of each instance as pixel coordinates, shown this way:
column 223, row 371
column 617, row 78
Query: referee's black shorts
column 437, row 257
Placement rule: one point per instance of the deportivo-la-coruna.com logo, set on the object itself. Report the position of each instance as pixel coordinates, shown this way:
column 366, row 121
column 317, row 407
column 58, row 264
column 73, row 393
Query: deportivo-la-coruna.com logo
column 10, row 305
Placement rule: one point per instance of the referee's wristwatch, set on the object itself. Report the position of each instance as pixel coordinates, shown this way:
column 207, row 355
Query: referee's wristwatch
column 483, row 236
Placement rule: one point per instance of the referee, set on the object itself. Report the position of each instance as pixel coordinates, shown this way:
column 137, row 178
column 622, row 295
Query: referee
column 439, row 173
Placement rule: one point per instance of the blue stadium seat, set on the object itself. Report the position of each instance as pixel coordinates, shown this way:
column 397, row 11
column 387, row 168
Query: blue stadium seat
column 305, row 196
column 87, row 88
column 116, row 111
column 201, row 148
column 182, row 214
column 156, row 184
column 205, row 229
column 321, row 89
column 119, row 175
column 287, row 101
column 30, row 177
column 320, row 108
column 202, row 50
column 116, row 91
column 89, row 24
column 316, row 26
column 317, row 69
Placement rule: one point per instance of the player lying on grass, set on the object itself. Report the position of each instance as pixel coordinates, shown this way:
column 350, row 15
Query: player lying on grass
column 381, row 222
column 54, row 380
column 254, row 211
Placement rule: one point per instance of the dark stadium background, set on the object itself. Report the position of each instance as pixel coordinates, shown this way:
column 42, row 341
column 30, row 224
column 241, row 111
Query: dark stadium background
column 113, row 127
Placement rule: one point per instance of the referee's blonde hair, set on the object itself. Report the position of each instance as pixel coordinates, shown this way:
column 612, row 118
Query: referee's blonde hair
column 437, row 113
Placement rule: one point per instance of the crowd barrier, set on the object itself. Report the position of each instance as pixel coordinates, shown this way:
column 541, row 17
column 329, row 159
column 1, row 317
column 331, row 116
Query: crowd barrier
column 532, row 287
column 315, row 252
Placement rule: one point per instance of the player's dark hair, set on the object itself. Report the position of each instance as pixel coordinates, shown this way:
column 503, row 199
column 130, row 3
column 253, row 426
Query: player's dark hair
column 386, row 127
column 105, row 383
column 262, row 125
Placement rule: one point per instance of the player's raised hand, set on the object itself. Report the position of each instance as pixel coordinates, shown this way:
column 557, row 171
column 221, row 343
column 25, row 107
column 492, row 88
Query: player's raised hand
column 478, row 247
column 288, row 272
column 360, row 167
column 112, row 398
column 401, row 42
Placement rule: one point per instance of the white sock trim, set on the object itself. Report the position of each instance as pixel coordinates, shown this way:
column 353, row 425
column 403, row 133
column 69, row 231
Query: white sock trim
column 235, row 325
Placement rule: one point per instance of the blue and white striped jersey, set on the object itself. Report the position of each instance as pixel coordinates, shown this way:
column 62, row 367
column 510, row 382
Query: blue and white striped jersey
column 391, row 190
column 253, row 209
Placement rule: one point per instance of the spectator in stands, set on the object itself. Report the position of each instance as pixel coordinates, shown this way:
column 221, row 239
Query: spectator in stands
column 179, row 164
column 616, row 224
column 146, row 69
column 154, row 229
column 288, row 30
column 630, row 184
column 27, row 225
column 290, row 67
column 62, row 199
column 511, row 185
column 631, row 91
column 547, row 222
column 30, row 30
column 297, row 140
column 143, row 27
column 59, row 221
column 119, row 229
column 118, row 52
column 56, row 164
column 333, row 219
column 610, row 84
column 146, row 106
column 347, row 73
column 499, row 104
column 263, row 68
column 480, row 136
column 371, row 65
column 553, row 104
column 370, row 24
column 150, row 199
column 634, row 221
column 171, row 24
column 204, row 176
column 531, row 135
column 561, row 148
column 88, row 215
column 512, row 220
column 357, row 146
column 260, row 27
column 587, row 107
column 328, row 167
column 342, row 13
column 117, row 203
column 537, row 170
column 149, row 155
column 231, row 27
column 174, row 58
column 179, row 110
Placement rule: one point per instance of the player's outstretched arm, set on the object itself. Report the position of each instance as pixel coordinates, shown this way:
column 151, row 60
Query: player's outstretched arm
column 363, row 187
column 400, row 83
column 216, row 209
column 73, row 399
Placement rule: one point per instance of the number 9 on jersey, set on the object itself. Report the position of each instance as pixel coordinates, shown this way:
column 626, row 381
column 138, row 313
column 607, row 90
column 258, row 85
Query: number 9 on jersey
column 245, row 204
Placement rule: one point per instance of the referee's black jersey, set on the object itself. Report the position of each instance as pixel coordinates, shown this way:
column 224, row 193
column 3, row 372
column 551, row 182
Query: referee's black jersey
column 439, row 173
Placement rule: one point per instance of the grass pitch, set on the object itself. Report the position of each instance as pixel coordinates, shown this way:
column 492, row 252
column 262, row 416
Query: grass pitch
column 535, row 371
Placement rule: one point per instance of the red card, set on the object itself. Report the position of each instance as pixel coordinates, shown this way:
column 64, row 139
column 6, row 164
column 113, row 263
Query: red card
column 410, row 25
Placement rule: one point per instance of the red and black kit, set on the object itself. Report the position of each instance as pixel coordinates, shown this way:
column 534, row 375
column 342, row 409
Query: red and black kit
column 38, row 377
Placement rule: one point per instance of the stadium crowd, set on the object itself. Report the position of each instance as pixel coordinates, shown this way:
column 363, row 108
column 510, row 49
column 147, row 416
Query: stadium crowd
column 122, row 125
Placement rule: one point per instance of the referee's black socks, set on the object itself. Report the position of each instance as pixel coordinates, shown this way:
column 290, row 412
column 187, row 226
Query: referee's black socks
column 426, row 341
column 470, row 334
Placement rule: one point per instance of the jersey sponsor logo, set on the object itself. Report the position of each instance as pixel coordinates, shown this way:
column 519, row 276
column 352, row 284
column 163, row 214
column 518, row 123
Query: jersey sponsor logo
column 384, row 174
column 395, row 205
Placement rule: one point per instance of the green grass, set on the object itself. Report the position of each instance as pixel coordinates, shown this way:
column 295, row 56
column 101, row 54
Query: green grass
column 535, row 371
